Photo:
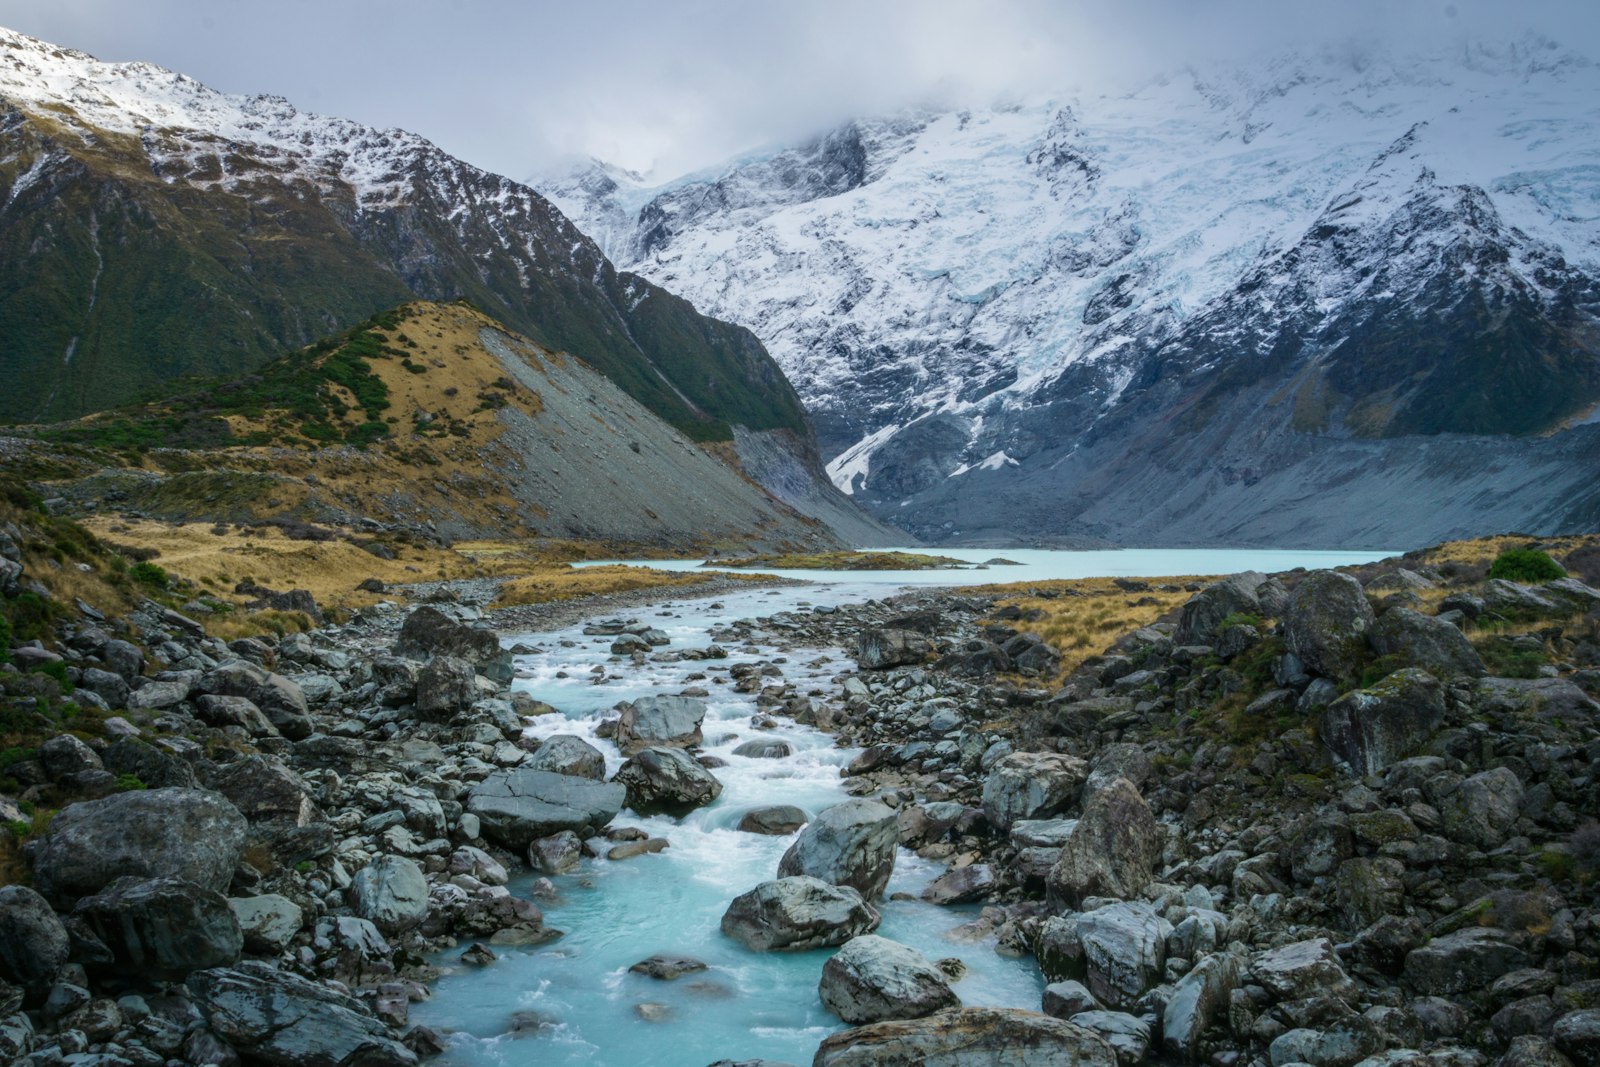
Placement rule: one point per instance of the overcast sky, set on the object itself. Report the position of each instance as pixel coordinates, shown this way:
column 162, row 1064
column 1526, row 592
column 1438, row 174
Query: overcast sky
column 673, row 85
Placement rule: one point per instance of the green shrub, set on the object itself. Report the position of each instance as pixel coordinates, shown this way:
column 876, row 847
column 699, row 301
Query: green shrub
column 129, row 782
column 147, row 573
column 58, row 671
column 31, row 616
column 1525, row 565
column 5, row 640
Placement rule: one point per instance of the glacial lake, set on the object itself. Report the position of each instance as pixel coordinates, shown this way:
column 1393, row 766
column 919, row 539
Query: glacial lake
column 580, row 1004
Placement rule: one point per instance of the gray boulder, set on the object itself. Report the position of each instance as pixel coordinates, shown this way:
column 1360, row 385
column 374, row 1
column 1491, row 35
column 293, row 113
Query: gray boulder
column 1204, row 612
column 269, row 922
column 1577, row 1034
column 429, row 632
column 1128, row 1035
column 216, row 710
column 967, row 1037
column 765, row 748
column 1468, row 959
column 517, row 806
column 1484, row 808
column 1426, row 642
column 1031, row 785
column 1118, row 951
column 278, row 698
column 872, row 979
column 278, row 1018
column 1546, row 698
column 264, row 789
column 1200, row 998
column 879, row 649
column 775, row 820
column 961, row 885
column 556, row 854
column 391, row 892
column 163, row 927
column 849, row 844
column 446, row 687
column 794, row 914
column 568, row 754
column 1303, row 970
column 1113, row 849
column 33, row 942
column 666, row 781
column 155, row 833
column 1371, row 728
column 1064, row 999
column 660, row 722
column 1327, row 623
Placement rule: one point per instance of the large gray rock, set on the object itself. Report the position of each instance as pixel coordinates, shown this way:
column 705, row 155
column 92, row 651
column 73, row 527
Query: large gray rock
column 660, row 722
column 872, row 979
column 1547, row 698
column 1303, row 970
column 391, row 892
column 517, row 806
column 1484, row 808
column 568, row 754
column 666, row 781
column 279, row 699
column 1327, row 624
column 1204, row 612
column 33, row 942
column 1128, row 1035
column 235, row 711
column 1031, row 785
column 269, row 922
column 1371, row 728
column 798, row 913
column 163, row 927
column 264, row 789
column 849, row 844
column 446, row 687
column 880, row 649
column 1118, row 951
column 1468, row 959
column 429, row 632
column 968, row 1037
column 154, row 833
column 777, row 820
column 1427, row 642
column 1113, row 849
column 1577, row 1034
column 1198, row 1000
column 278, row 1018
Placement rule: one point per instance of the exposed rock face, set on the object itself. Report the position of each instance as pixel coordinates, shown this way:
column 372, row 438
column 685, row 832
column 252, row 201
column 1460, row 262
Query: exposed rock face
column 1112, row 850
column 880, row 649
column 276, row 1017
column 872, row 979
column 798, row 913
column 660, row 722
column 429, row 632
column 1031, row 785
column 1427, row 642
column 33, row 943
column 1371, row 728
column 568, row 754
column 158, row 833
column 517, row 806
column 1327, row 624
column 968, row 1037
column 165, row 927
column 849, row 844
column 390, row 892
column 666, row 780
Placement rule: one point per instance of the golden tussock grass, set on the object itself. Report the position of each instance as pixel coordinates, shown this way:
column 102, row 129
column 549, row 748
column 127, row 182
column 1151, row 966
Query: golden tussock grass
column 564, row 583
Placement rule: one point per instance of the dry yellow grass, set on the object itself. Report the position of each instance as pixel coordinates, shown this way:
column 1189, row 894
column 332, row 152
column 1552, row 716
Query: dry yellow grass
column 1085, row 615
column 564, row 583
column 1485, row 549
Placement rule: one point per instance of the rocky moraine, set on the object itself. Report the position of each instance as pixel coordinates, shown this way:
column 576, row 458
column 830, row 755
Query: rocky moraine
column 1300, row 821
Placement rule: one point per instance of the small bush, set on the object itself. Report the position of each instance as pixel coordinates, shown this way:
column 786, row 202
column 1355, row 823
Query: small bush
column 31, row 616
column 5, row 639
column 1525, row 565
column 58, row 671
column 147, row 573
column 129, row 782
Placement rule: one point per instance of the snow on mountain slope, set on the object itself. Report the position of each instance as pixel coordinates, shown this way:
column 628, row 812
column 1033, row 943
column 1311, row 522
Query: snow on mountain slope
column 1012, row 272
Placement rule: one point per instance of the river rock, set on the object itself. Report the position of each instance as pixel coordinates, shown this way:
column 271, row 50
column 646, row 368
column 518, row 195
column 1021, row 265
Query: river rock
column 568, row 754
column 1577, row 1034
column 880, row 649
column 556, row 854
column 666, row 780
column 163, row 927
column 872, row 979
column 154, row 833
column 1128, row 1035
column 1118, row 951
column 1484, row 808
column 278, row 698
column 666, row 966
column 1303, row 970
column 1326, row 624
column 765, row 748
column 1199, row 999
column 777, row 820
column 264, row 789
column 515, row 807
column 1371, row 728
column 961, row 885
column 1031, row 786
column 446, row 686
column 967, row 1037
column 391, row 892
column 279, row 1018
column 429, row 632
column 33, row 942
column 1113, row 849
column 269, row 922
column 216, row 710
column 663, row 721
column 1427, row 642
column 1064, row 999
column 1204, row 612
column 851, row 844
column 798, row 913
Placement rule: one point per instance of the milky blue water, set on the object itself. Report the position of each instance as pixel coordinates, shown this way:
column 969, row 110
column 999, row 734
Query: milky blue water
column 615, row 913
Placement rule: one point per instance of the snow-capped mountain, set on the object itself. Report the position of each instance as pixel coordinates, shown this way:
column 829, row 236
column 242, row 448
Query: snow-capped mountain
column 1329, row 252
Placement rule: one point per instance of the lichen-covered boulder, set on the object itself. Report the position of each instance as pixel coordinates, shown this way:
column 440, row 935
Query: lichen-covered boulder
column 1031, row 785
column 849, row 844
column 666, row 781
column 1369, row 729
column 872, row 979
column 1113, row 849
column 664, row 721
column 163, row 927
column 568, row 754
column 798, row 913
column 1327, row 623
column 33, row 942
column 391, row 892
column 1426, row 642
column 1118, row 951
